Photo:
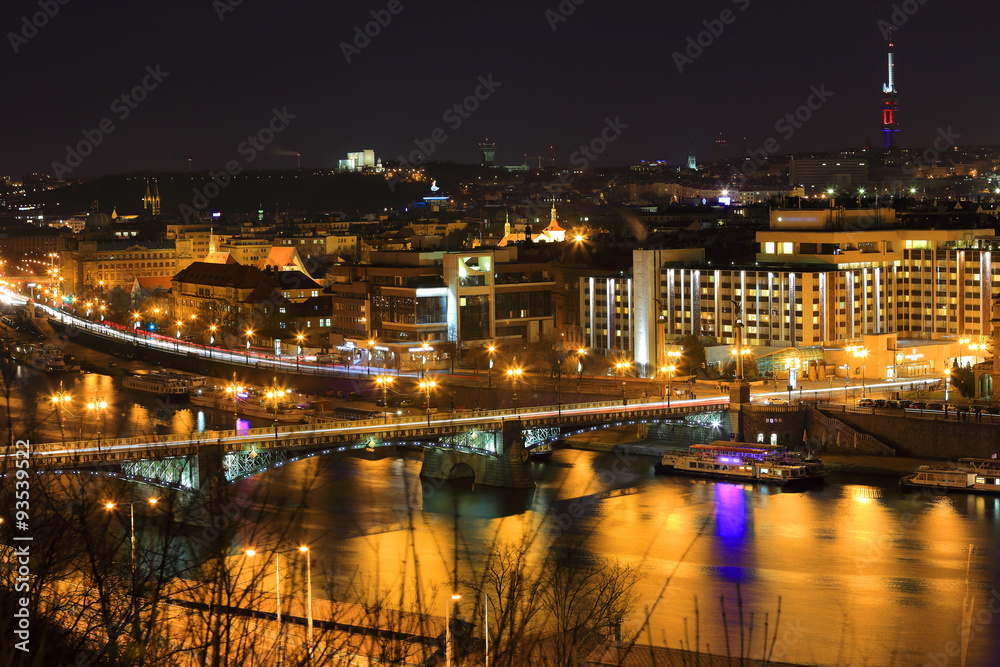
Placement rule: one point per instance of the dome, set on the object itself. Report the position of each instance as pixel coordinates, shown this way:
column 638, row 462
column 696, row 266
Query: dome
column 97, row 222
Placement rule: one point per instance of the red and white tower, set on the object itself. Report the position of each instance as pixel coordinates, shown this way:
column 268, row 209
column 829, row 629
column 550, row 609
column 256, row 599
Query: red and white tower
column 890, row 102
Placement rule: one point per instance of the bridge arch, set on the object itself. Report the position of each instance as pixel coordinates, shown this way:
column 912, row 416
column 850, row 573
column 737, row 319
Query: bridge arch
column 461, row 470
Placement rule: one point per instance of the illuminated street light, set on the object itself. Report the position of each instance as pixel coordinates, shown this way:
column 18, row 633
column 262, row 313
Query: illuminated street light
column 489, row 369
column 514, row 374
column 861, row 353
column 447, row 632
column 427, row 385
column 384, row 381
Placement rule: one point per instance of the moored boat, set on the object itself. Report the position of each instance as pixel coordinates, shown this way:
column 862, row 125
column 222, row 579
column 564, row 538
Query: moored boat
column 969, row 474
column 541, row 452
column 155, row 382
column 742, row 462
column 252, row 402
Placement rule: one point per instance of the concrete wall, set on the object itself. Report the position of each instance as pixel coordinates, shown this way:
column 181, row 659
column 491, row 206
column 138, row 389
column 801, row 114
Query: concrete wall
column 928, row 438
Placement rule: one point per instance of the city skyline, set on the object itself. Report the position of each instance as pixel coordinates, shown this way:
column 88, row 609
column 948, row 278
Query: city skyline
column 534, row 79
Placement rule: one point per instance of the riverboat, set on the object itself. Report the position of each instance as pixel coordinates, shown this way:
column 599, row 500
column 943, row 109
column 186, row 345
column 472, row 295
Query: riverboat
column 41, row 358
column 155, row 382
column 971, row 475
column 541, row 452
column 252, row 402
column 742, row 462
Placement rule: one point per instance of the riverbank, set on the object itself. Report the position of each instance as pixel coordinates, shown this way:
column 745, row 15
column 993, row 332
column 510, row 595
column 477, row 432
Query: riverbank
column 629, row 441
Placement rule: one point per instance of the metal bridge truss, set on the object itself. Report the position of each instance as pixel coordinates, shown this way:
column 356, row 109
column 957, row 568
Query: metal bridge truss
column 711, row 419
column 238, row 465
column 175, row 471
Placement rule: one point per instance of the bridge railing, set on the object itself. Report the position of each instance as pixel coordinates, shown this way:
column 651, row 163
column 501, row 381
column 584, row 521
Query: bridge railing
column 320, row 427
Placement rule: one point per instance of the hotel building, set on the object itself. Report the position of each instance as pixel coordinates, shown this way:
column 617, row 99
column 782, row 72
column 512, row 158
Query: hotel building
column 822, row 278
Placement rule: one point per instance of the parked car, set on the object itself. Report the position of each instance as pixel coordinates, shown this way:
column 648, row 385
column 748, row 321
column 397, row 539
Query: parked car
column 777, row 401
column 918, row 405
column 962, row 408
column 892, row 404
column 866, row 403
column 935, row 406
column 880, row 403
column 404, row 403
column 905, row 403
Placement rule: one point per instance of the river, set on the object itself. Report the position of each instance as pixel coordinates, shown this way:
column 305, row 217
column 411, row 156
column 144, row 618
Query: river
column 866, row 574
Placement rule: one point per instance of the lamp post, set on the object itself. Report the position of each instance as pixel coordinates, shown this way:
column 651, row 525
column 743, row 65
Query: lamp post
column 309, row 603
column 861, row 353
column 298, row 339
column 277, row 596
column 447, row 628
column 131, row 510
column 177, row 340
column 100, row 405
column 489, row 371
column 211, row 339
column 514, row 374
column 384, row 381
column 235, row 390
column 274, row 394
column 371, row 349
column 58, row 399
column 427, row 385
column 622, row 366
column 249, row 334
column 580, row 354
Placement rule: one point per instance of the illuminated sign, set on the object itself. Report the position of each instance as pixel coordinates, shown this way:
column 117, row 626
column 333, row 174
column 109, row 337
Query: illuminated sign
column 725, row 201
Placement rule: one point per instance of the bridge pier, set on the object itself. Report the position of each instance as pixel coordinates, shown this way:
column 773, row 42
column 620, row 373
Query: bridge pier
column 506, row 471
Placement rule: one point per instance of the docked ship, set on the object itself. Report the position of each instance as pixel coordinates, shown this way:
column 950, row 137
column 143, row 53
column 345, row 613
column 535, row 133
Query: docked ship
column 41, row 358
column 972, row 475
column 155, row 382
column 252, row 402
column 742, row 462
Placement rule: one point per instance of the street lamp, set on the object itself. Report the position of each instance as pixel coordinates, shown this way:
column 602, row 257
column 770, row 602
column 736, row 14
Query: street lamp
column 100, row 405
column 514, row 374
column 489, row 371
column 861, row 353
column 427, row 351
column 427, row 385
column 58, row 399
column 623, row 366
column 447, row 628
column 274, row 394
column 371, row 349
column 580, row 354
column 131, row 510
column 309, row 593
column 249, row 334
column 298, row 338
column 384, row 381
column 277, row 595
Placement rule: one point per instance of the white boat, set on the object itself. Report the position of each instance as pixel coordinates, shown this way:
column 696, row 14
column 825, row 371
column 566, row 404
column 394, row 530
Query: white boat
column 155, row 382
column 972, row 475
column 742, row 462
column 41, row 358
column 251, row 402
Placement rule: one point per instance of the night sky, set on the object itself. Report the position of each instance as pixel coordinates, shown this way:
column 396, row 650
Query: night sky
column 556, row 87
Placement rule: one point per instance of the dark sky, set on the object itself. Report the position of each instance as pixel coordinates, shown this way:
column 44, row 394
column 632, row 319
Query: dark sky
column 608, row 59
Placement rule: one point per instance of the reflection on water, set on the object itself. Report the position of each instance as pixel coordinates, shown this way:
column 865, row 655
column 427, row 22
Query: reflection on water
column 866, row 573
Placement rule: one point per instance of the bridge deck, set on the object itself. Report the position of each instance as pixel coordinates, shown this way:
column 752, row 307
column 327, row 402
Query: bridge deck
column 323, row 433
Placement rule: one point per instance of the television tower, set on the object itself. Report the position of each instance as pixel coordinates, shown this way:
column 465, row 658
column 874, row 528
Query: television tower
column 890, row 103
